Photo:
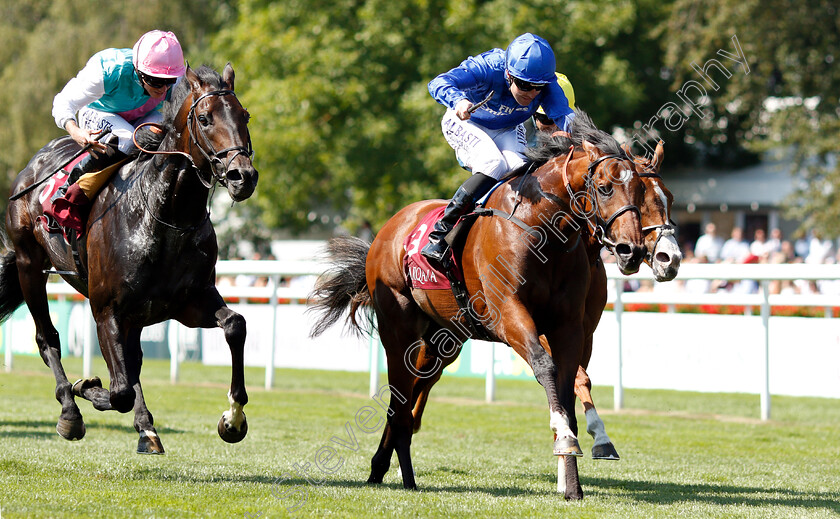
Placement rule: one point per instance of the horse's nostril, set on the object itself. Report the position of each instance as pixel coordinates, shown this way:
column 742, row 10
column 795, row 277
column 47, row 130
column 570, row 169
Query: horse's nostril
column 663, row 257
column 234, row 175
column 623, row 249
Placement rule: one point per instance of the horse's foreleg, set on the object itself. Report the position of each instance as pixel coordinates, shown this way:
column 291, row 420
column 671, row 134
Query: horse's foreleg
column 209, row 311
column 555, row 371
column 70, row 424
column 520, row 333
column 144, row 422
column 567, row 344
column 602, row 448
column 113, row 339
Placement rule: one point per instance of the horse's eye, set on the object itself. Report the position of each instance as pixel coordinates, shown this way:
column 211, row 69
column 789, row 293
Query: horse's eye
column 204, row 120
column 247, row 116
column 606, row 189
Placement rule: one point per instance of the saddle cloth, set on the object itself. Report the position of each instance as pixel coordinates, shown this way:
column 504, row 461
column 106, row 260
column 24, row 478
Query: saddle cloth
column 419, row 273
column 57, row 180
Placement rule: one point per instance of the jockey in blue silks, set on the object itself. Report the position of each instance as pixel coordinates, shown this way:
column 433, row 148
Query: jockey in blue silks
column 509, row 85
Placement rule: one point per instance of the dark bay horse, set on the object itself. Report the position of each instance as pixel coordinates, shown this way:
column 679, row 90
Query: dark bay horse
column 524, row 284
column 148, row 254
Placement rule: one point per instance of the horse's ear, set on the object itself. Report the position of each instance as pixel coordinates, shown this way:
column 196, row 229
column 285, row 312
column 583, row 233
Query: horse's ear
column 659, row 155
column 228, row 75
column 192, row 77
column 592, row 150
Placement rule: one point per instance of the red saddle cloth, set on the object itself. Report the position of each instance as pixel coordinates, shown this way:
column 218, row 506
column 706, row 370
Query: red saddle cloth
column 419, row 273
column 52, row 185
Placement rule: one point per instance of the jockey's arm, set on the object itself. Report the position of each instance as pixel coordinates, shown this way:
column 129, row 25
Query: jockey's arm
column 543, row 123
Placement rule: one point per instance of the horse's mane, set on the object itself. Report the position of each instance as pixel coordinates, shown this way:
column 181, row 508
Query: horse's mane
column 151, row 140
column 582, row 129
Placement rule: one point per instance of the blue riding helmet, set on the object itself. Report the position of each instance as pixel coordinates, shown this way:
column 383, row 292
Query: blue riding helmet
column 530, row 58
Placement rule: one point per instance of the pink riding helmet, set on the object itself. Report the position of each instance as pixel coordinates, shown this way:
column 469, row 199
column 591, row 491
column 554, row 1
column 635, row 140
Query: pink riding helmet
column 158, row 53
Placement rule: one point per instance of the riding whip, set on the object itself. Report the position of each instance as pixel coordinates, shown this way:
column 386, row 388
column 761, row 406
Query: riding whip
column 483, row 102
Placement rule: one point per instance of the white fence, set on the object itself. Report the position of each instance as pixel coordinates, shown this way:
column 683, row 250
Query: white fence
column 608, row 364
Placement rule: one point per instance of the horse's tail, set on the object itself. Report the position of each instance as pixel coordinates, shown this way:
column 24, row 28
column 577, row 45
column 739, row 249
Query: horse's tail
column 11, row 295
column 343, row 285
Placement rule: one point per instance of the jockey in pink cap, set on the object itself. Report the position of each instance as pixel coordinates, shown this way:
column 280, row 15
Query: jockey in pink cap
column 116, row 91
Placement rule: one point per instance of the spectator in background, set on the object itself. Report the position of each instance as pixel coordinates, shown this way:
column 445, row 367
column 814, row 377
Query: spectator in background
column 709, row 244
column 774, row 244
column 758, row 247
column 818, row 249
column 801, row 246
column 735, row 249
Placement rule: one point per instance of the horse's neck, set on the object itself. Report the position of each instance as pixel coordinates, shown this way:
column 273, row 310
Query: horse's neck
column 172, row 189
column 548, row 203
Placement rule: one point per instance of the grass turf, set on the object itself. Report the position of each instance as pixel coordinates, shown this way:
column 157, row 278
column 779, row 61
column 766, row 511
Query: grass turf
column 683, row 454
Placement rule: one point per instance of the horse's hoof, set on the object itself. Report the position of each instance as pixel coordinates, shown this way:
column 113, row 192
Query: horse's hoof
column 574, row 494
column 374, row 480
column 149, row 443
column 567, row 447
column 71, row 429
column 605, row 451
column 80, row 385
column 229, row 433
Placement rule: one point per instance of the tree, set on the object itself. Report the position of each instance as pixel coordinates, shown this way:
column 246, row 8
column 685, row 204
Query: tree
column 45, row 43
column 343, row 123
column 789, row 99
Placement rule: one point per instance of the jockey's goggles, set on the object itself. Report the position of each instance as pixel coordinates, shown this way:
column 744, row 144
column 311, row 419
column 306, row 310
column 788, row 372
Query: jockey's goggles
column 156, row 82
column 526, row 86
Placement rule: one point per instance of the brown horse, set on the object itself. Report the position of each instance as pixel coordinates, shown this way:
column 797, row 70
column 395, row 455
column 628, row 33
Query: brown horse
column 662, row 255
column 521, row 288
column 148, row 253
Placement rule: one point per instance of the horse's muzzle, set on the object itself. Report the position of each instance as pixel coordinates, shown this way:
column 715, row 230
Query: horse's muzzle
column 629, row 257
column 241, row 182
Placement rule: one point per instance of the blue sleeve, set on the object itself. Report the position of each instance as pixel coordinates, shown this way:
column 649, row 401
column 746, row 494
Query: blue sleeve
column 556, row 106
column 472, row 76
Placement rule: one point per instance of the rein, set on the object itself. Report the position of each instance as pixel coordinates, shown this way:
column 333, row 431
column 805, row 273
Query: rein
column 599, row 228
column 214, row 158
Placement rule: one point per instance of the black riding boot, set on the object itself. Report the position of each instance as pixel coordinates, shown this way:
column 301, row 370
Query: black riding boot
column 462, row 203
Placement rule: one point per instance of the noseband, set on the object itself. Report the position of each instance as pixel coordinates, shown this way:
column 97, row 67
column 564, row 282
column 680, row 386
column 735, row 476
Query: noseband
column 218, row 166
column 663, row 229
column 599, row 227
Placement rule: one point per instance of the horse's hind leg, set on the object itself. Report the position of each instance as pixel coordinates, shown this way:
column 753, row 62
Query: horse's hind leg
column 403, row 330
column 208, row 310
column 70, row 425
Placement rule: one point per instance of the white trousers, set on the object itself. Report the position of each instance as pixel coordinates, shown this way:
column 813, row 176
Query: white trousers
column 492, row 152
column 91, row 119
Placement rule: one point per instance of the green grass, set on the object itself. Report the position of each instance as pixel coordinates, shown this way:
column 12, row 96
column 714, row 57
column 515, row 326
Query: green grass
column 683, row 454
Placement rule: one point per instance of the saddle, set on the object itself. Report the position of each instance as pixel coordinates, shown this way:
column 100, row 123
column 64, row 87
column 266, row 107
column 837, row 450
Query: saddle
column 420, row 274
column 90, row 184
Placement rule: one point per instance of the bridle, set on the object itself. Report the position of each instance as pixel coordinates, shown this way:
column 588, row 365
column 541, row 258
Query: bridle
column 600, row 226
column 218, row 166
column 664, row 229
